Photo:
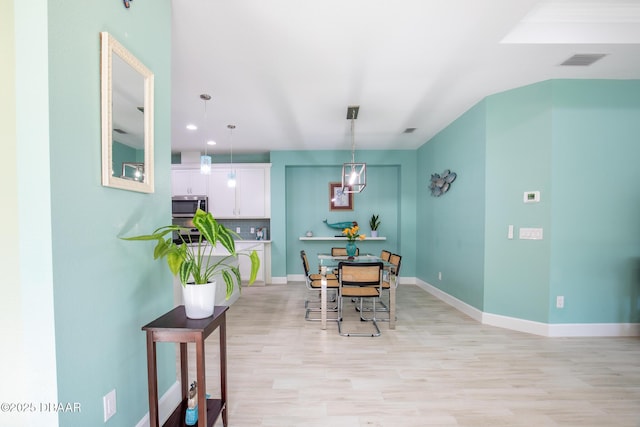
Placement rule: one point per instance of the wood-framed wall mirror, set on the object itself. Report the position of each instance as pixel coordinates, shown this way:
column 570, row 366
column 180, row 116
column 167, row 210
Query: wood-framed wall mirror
column 127, row 118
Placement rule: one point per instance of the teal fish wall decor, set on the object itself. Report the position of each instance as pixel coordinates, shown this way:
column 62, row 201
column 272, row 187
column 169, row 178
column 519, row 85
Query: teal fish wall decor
column 341, row 225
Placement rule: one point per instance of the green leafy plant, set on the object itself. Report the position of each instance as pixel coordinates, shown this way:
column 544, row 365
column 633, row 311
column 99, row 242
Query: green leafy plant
column 374, row 222
column 192, row 261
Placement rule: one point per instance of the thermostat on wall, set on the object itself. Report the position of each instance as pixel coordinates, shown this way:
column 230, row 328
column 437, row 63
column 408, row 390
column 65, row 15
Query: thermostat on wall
column 531, row 196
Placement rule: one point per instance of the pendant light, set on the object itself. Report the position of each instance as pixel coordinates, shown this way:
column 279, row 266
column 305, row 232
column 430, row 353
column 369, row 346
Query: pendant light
column 231, row 177
column 205, row 161
column 354, row 175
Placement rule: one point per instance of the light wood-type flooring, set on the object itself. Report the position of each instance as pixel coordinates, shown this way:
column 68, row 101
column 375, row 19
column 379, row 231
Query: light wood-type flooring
column 437, row 368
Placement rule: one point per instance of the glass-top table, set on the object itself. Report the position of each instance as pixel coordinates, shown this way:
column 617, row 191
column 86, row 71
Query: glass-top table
column 329, row 261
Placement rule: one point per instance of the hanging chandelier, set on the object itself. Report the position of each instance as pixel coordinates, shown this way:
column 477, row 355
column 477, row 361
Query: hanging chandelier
column 354, row 175
column 205, row 160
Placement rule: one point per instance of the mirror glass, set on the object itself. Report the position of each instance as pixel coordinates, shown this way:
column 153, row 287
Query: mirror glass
column 127, row 119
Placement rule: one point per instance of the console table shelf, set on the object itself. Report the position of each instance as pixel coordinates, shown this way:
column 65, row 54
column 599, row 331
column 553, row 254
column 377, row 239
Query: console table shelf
column 175, row 326
column 176, row 419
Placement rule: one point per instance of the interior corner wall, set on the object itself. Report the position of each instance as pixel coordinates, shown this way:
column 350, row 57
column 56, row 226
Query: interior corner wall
column 575, row 141
column 105, row 289
column 518, row 159
column 450, row 233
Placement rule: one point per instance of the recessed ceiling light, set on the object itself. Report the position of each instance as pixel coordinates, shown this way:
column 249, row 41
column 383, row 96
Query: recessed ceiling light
column 211, row 142
column 191, row 126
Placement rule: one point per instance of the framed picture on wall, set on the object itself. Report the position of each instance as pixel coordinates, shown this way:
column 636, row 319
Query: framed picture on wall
column 338, row 199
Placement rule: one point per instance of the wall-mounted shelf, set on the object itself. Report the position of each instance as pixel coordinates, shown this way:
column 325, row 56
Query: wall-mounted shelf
column 340, row 238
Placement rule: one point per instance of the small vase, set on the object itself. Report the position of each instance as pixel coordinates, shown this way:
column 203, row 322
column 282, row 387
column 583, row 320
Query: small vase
column 199, row 300
column 351, row 249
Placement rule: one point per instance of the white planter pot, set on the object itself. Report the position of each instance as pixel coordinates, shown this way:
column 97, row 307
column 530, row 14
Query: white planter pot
column 199, row 300
column 374, row 233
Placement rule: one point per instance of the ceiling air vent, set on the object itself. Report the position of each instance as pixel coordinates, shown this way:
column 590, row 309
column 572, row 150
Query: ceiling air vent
column 583, row 59
column 409, row 130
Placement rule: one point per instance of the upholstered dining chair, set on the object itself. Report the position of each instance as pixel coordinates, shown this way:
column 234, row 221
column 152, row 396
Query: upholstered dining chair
column 362, row 281
column 313, row 282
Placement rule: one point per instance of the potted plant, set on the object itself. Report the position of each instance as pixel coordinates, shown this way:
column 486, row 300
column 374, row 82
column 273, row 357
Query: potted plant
column 374, row 223
column 194, row 263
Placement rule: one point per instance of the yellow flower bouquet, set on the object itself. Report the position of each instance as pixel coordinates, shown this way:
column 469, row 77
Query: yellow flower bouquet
column 352, row 234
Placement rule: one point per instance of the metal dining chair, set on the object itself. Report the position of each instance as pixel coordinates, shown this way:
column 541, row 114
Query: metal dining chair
column 388, row 273
column 313, row 282
column 362, row 281
column 342, row 251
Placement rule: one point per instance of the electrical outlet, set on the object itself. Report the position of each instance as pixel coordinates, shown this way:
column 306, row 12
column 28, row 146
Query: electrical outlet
column 253, row 230
column 237, row 229
column 109, row 403
column 439, row 275
column 559, row 301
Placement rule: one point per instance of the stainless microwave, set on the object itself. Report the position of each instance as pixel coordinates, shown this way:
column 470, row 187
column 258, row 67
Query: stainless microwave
column 186, row 206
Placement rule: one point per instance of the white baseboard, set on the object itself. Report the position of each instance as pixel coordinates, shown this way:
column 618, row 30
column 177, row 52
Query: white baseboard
column 166, row 405
column 536, row 328
column 594, row 330
column 281, row 280
column 516, row 324
column 454, row 302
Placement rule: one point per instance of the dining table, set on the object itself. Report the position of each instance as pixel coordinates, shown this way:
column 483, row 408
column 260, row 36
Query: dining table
column 328, row 262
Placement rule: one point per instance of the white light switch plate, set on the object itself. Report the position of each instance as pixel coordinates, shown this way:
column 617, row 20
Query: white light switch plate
column 530, row 233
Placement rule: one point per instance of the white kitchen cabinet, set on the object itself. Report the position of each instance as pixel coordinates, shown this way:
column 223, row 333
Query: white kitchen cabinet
column 251, row 197
column 189, row 181
column 245, row 262
column 222, row 199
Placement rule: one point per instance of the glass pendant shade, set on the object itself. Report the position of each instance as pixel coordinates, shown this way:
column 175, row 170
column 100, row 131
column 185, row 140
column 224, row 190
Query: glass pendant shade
column 205, row 161
column 354, row 177
column 205, row 165
column 231, row 179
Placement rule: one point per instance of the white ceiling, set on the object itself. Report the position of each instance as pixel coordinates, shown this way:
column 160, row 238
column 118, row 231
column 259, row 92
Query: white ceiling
column 285, row 71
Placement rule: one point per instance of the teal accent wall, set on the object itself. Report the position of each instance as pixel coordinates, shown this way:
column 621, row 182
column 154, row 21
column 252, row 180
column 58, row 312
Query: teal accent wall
column 575, row 141
column 381, row 196
column 518, row 159
column 595, row 246
column 105, row 289
column 450, row 237
column 300, row 201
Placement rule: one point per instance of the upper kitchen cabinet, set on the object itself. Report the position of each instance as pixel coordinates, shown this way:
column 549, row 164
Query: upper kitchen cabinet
column 250, row 198
column 188, row 182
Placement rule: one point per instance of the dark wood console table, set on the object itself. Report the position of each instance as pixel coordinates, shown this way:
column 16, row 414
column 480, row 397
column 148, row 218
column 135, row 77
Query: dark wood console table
column 174, row 326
